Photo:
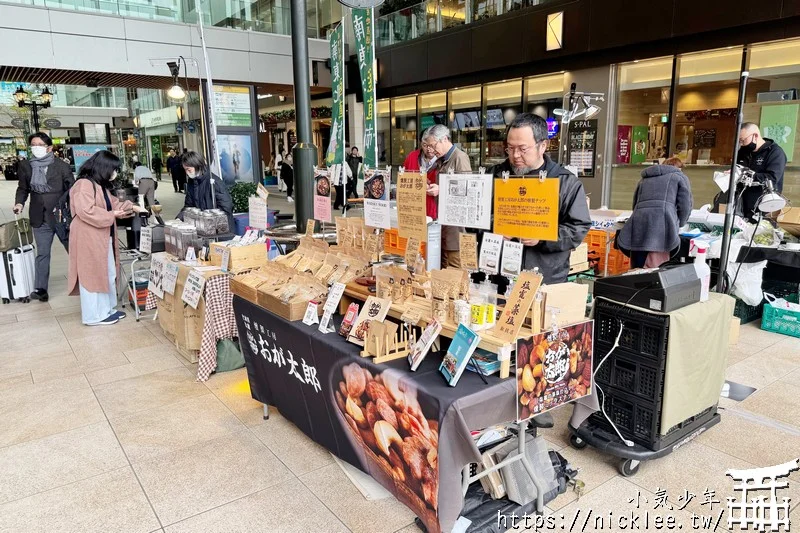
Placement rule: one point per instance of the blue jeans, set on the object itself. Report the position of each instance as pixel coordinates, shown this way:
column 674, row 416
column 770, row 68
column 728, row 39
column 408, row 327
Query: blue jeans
column 97, row 306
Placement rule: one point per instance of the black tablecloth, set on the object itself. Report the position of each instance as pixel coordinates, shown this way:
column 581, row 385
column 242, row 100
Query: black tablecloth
column 298, row 369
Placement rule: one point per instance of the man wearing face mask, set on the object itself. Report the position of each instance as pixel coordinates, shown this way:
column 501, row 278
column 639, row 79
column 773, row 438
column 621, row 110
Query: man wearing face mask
column 198, row 191
column 764, row 157
column 526, row 146
column 44, row 178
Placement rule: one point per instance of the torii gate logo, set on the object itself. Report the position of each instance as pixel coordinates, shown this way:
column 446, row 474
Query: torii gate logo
column 761, row 513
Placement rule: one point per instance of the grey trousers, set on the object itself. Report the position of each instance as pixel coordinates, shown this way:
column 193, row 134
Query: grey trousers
column 147, row 187
column 43, row 235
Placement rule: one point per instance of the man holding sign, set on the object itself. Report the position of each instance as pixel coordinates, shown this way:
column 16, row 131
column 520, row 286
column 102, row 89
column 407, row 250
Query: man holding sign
column 526, row 144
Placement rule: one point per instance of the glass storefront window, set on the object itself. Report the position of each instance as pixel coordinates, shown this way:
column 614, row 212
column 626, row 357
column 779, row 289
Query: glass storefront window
column 642, row 124
column 384, row 131
column 772, row 100
column 330, row 14
column 464, row 118
column 432, row 109
column 404, row 129
column 543, row 95
column 503, row 104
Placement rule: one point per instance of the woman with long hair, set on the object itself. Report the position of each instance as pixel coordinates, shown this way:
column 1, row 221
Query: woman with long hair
column 93, row 254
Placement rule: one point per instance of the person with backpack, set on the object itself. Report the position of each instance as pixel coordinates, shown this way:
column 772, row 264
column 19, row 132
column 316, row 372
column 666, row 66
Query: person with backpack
column 43, row 179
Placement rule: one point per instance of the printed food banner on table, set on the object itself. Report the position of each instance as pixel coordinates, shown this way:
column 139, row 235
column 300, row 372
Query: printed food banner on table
column 368, row 415
column 322, row 196
column 554, row 368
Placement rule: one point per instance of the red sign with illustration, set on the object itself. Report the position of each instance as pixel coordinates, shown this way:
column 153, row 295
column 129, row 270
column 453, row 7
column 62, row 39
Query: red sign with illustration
column 623, row 145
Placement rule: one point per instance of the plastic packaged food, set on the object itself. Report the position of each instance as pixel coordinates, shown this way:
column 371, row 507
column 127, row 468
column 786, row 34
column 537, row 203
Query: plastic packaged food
column 221, row 221
column 206, row 224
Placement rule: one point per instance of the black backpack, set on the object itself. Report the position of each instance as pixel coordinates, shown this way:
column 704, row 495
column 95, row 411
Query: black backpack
column 63, row 214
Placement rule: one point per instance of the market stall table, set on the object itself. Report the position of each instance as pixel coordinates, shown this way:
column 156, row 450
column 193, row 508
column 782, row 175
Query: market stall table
column 301, row 371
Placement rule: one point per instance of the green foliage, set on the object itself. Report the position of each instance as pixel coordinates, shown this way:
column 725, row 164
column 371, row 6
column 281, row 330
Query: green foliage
column 240, row 193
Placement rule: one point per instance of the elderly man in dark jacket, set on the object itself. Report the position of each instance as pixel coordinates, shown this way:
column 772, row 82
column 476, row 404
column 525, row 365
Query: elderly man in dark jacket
column 526, row 146
column 662, row 204
column 43, row 179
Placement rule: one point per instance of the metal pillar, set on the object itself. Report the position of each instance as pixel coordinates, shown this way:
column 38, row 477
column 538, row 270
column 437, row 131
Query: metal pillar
column 35, row 113
column 304, row 152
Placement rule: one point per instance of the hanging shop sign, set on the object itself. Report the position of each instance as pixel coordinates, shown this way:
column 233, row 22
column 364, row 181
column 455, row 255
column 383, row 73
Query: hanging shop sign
column 363, row 26
column 232, row 104
column 624, row 145
column 151, row 119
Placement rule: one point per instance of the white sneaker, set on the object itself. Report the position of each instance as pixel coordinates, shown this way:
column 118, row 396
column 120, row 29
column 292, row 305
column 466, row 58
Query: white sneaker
column 290, row 199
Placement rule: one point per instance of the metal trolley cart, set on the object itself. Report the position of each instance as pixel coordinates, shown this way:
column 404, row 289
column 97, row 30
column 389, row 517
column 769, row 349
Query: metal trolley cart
column 629, row 373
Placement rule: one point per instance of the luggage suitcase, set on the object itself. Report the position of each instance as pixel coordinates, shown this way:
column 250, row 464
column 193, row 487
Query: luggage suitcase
column 17, row 272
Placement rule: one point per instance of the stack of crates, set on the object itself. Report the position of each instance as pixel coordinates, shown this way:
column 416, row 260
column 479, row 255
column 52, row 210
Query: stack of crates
column 632, row 378
column 393, row 243
column 598, row 241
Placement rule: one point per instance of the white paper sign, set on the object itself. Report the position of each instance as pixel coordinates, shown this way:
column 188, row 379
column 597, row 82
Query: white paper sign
column 325, row 323
column 258, row 213
column 146, row 240
column 262, row 192
column 226, row 258
column 512, row 258
column 465, row 200
column 377, row 214
column 193, row 290
column 170, row 276
column 191, row 255
column 491, row 246
column 334, row 296
column 312, row 316
column 156, row 282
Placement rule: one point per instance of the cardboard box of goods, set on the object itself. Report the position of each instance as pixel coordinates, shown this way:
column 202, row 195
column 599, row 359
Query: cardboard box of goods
column 570, row 301
column 292, row 311
column 242, row 257
column 790, row 221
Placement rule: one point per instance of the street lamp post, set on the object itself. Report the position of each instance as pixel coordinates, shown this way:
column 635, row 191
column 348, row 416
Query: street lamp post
column 43, row 102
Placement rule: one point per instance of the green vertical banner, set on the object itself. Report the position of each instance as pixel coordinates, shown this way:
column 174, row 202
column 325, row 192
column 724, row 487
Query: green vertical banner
column 779, row 123
column 363, row 27
column 335, row 153
column 639, row 151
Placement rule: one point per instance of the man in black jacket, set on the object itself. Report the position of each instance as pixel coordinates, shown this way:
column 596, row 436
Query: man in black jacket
column 764, row 157
column 44, row 179
column 526, row 143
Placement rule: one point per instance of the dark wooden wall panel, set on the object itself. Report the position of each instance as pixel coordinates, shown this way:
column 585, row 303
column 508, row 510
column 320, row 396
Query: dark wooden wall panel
column 499, row 44
column 697, row 16
column 449, row 55
column 620, row 22
column 408, row 63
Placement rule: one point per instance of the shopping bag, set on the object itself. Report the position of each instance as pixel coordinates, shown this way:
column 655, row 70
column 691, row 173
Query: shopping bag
column 12, row 236
column 229, row 357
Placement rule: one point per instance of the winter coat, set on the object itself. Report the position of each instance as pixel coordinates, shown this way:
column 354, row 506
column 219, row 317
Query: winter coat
column 454, row 162
column 411, row 164
column 89, row 234
column 769, row 163
column 552, row 257
column 662, row 203
column 198, row 194
column 59, row 178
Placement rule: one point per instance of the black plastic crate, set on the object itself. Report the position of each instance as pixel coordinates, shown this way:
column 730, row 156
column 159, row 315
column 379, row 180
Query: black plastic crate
column 631, row 373
column 747, row 313
column 644, row 333
column 782, row 289
column 640, row 421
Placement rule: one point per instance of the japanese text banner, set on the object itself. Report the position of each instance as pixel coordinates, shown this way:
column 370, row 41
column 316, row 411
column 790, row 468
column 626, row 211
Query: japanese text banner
column 335, row 153
column 526, row 208
column 363, row 26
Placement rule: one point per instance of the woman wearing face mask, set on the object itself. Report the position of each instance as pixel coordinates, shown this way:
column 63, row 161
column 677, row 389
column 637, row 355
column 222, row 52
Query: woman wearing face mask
column 93, row 257
column 198, row 188
column 44, row 179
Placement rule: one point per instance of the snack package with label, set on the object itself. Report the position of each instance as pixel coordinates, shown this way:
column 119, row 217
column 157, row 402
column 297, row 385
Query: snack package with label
column 349, row 319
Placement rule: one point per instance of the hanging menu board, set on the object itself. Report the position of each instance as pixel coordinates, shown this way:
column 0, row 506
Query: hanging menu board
column 583, row 146
column 232, row 106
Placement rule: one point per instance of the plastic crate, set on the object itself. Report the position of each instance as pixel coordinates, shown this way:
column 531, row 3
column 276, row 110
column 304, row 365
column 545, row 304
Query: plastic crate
column 784, row 321
column 789, row 291
column 393, row 243
column 640, row 421
column 625, row 371
column 141, row 293
column 644, row 333
column 598, row 238
column 597, row 241
column 747, row 313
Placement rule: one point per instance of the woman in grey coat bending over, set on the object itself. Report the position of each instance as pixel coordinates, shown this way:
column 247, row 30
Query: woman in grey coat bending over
column 662, row 203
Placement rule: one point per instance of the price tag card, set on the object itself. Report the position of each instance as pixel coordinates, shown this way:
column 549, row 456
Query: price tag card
column 325, row 323
column 191, row 255
column 170, row 276
column 411, row 317
column 310, row 227
column 412, row 251
column 468, row 249
column 262, row 192
column 226, row 258
column 491, row 246
column 146, row 240
column 193, row 290
column 156, row 281
column 512, row 258
column 312, row 316
column 334, row 296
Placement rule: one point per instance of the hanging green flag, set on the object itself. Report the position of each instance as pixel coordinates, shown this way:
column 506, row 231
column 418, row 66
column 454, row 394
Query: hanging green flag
column 335, row 153
column 363, row 26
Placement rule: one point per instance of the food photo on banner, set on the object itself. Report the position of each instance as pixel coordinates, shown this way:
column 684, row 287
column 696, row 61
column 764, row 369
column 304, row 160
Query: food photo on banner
column 322, row 195
column 553, row 368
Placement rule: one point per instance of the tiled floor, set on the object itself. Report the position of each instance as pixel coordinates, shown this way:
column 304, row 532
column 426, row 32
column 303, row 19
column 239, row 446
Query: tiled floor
column 106, row 430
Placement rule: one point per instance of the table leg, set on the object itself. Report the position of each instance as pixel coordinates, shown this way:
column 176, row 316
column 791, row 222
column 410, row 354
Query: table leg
column 266, row 412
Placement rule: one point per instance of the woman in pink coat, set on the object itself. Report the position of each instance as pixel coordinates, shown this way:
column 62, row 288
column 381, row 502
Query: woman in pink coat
column 93, row 254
